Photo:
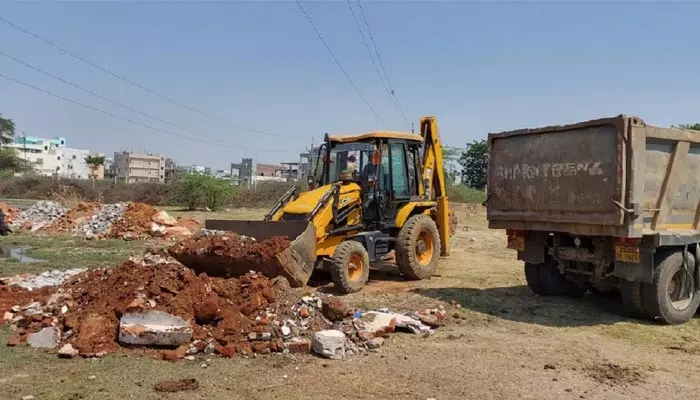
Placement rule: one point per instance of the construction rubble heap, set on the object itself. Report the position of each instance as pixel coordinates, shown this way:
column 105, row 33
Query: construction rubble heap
column 155, row 303
column 130, row 221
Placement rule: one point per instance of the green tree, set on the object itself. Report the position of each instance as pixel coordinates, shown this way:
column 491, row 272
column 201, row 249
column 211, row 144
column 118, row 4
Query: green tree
column 7, row 130
column 474, row 162
column 9, row 161
column 196, row 190
column 450, row 163
column 94, row 163
column 693, row 127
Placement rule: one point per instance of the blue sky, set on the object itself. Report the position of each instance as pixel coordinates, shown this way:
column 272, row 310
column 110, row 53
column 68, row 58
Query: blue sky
column 479, row 67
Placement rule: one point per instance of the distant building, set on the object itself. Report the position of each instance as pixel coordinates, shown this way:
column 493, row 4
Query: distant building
column 170, row 170
column 51, row 157
column 247, row 173
column 139, row 167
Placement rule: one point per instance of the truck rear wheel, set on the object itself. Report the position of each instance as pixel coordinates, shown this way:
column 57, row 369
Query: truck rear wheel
column 349, row 267
column 532, row 276
column 673, row 296
column 632, row 299
column 546, row 280
column 418, row 247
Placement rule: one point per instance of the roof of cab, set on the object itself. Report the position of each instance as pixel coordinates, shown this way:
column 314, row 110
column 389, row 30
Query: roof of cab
column 375, row 135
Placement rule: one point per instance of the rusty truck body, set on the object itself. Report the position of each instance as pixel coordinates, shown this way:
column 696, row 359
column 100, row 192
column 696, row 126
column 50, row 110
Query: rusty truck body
column 604, row 205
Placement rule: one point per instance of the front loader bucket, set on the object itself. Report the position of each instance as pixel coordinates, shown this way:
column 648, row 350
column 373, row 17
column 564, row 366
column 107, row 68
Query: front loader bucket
column 296, row 263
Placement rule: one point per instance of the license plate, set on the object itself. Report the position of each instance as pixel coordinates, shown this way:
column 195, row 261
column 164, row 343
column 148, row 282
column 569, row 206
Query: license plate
column 516, row 243
column 627, row 254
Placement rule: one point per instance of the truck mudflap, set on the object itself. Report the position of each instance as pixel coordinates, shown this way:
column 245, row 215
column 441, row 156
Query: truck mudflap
column 295, row 263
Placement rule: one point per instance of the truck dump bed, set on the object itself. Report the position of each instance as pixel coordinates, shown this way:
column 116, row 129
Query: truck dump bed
column 612, row 176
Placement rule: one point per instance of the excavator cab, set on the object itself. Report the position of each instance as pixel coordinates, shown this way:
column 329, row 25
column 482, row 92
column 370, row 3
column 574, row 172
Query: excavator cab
column 368, row 195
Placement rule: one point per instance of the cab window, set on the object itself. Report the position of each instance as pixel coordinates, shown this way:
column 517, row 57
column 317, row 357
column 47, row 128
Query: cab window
column 399, row 175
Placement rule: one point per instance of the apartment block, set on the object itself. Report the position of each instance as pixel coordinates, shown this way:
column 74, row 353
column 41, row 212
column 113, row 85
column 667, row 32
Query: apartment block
column 133, row 167
column 51, row 157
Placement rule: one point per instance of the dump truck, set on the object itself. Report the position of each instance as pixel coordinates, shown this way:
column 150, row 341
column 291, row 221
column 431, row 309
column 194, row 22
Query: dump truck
column 611, row 204
column 370, row 194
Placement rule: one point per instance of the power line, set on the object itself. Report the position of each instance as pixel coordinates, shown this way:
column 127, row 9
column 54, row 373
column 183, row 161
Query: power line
column 131, row 82
column 374, row 63
column 92, row 93
column 381, row 63
column 115, row 116
column 340, row 65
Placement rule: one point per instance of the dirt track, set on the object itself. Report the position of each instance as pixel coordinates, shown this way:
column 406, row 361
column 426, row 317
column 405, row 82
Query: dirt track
column 509, row 344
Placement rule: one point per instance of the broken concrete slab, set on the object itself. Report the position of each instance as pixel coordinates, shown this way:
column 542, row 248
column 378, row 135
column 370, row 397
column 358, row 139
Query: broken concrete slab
column 153, row 328
column 46, row 338
column 376, row 324
column 329, row 343
column 67, row 351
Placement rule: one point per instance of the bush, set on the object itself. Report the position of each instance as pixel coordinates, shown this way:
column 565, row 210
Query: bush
column 464, row 194
column 265, row 194
column 194, row 190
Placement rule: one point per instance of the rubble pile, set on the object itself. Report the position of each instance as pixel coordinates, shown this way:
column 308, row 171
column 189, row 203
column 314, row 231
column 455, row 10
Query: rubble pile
column 73, row 218
column 102, row 220
column 154, row 301
column 9, row 212
column 141, row 221
column 45, row 279
column 38, row 216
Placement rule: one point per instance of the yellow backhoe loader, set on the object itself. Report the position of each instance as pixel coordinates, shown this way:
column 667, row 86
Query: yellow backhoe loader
column 368, row 194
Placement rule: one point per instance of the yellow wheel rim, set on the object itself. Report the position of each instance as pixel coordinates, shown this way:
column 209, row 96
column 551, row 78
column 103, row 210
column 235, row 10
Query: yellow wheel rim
column 425, row 248
column 355, row 267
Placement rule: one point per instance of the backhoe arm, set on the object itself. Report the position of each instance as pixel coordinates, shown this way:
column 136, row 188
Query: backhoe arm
column 434, row 186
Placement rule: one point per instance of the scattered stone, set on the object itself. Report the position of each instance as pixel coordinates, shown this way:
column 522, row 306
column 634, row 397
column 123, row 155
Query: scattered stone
column 189, row 358
column 549, row 366
column 286, row 331
column 335, row 309
column 46, row 338
column 30, row 397
column 13, row 341
column 153, row 328
column 45, row 279
column 175, row 355
column 92, row 377
column 177, row 386
column 375, row 343
column 329, row 343
column 304, row 312
column 103, row 220
column 299, row 347
column 8, row 316
column 67, row 351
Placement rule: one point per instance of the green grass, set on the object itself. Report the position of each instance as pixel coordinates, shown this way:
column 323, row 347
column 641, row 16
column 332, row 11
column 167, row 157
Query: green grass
column 65, row 252
column 465, row 194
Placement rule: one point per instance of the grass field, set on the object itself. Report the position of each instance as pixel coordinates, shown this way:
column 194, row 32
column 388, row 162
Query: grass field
column 509, row 343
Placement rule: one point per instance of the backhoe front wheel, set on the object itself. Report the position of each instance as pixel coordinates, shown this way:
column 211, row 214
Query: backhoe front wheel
column 418, row 247
column 349, row 267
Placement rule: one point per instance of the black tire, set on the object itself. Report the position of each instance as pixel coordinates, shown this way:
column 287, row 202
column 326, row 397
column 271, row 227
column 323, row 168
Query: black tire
column 631, row 293
column 417, row 264
column 532, row 276
column 669, row 273
column 349, row 279
column 553, row 283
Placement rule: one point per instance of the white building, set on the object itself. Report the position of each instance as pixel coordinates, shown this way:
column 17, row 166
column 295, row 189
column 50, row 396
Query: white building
column 51, row 157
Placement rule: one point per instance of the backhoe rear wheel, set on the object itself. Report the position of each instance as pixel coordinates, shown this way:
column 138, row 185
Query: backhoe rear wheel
column 418, row 247
column 349, row 267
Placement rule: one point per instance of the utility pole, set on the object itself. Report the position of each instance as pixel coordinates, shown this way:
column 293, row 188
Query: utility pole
column 412, row 130
column 24, row 145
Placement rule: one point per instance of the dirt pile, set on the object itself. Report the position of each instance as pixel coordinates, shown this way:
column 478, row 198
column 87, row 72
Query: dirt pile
column 228, row 316
column 73, row 218
column 10, row 212
column 232, row 245
column 228, row 254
